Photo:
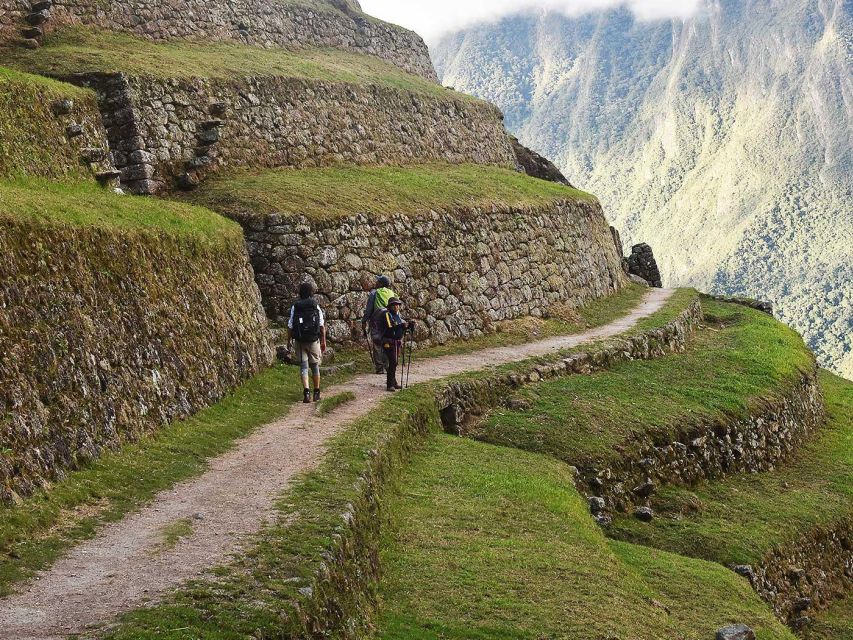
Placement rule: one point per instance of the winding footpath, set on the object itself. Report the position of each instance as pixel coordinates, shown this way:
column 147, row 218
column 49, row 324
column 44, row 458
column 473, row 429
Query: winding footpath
column 126, row 566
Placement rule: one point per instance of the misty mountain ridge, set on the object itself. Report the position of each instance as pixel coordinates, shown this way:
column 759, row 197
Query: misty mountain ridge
column 724, row 140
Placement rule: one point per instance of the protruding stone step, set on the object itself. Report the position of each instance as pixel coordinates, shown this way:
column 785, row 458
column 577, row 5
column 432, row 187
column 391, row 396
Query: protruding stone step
column 736, row 632
column 212, row 124
column 62, row 107
column 43, row 5
column 74, row 130
column 31, row 43
column 32, row 33
column 209, row 136
column 188, row 181
column 218, row 108
column 37, row 18
column 92, row 155
column 108, row 178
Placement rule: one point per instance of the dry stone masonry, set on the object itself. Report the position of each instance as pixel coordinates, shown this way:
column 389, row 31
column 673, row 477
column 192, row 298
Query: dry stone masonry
column 105, row 336
column 281, row 23
column 459, row 271
column 167, row 133
column 805, row 575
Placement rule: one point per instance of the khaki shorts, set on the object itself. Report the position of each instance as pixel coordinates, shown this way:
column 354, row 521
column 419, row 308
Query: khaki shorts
column 309, row 353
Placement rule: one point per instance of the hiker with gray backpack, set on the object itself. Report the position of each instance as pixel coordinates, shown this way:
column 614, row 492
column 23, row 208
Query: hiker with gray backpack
column 307, row 329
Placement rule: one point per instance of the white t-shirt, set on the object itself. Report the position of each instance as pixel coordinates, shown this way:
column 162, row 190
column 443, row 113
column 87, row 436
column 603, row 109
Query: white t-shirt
column 293, row 311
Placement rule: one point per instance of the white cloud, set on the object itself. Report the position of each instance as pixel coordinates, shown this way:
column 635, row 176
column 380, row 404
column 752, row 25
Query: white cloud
column 432, row 18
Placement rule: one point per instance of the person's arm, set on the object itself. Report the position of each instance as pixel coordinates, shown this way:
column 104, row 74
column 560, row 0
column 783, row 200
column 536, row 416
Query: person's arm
column 322, row 331
column 369, row 310
column 290, row 326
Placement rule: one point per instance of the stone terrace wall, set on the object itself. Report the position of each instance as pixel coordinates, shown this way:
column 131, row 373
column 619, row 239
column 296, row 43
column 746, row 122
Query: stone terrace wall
column 275, row 23
column 458, row 271
column 106, row 336
column 161, row 131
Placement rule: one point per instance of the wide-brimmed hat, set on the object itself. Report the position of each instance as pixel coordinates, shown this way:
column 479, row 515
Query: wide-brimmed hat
column 394, row 301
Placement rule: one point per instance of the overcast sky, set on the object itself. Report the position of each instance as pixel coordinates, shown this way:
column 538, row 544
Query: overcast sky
column 432, row 18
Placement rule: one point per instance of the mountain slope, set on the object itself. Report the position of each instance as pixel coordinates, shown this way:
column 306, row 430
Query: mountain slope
column 725, row 140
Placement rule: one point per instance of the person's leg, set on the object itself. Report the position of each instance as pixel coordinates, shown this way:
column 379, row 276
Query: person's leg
column 390, row 350
column 315, row 357
column 302, row 355
column 381, row 359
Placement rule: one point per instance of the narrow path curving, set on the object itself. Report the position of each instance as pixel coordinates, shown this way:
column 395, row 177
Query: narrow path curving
column 126, row 565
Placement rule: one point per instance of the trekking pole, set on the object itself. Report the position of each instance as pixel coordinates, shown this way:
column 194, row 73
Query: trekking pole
column 409, row 366
column 370, row 350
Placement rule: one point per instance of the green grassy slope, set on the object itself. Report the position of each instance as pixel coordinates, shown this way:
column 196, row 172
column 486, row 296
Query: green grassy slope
column 80, row 50
column 490, row 542
column 32, row 139
column 40, row 201
column 342, row 191
column 737, row 520
column 741, row 357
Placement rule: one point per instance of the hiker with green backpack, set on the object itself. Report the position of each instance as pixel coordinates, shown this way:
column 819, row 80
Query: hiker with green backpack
column 307, row 329
column 377, row 303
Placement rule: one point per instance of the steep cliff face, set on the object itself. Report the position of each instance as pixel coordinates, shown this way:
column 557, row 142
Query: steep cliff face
column 726, row 139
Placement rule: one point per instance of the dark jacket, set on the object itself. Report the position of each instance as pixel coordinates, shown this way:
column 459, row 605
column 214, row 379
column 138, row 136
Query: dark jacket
column 394, row 326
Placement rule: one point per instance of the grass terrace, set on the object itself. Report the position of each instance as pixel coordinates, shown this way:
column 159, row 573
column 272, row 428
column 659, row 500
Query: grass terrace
column 736, row 520
column 741, row 358
column 81, row 50
column 326, row 193
column 494, row 543
column 38, row 201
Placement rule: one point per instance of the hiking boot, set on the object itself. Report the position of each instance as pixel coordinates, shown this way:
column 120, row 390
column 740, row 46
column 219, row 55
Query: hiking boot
column 306, row 396
column 379, row 371
column 397, row 385
column 390, row 388
column 316, row 395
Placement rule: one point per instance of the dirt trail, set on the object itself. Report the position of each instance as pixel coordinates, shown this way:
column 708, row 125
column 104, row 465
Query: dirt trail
column 126, row 564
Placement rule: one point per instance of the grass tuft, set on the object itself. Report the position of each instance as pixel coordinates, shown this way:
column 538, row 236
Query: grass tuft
column 326, row 406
